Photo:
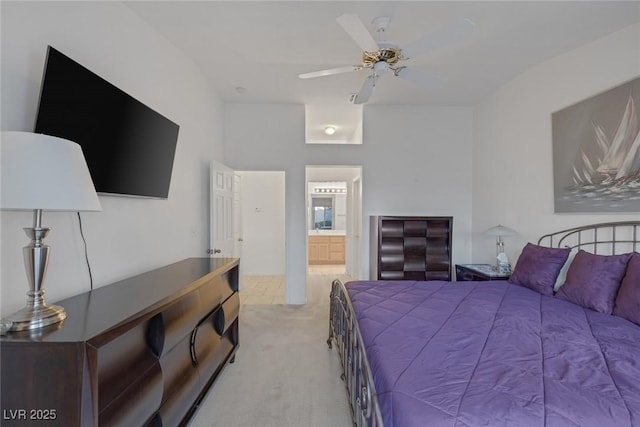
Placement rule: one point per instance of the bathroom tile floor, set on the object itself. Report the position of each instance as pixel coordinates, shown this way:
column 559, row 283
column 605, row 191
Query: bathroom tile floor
column 262, row 290
column 270, row 289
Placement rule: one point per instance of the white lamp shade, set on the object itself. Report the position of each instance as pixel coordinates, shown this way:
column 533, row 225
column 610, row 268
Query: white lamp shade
column 44, row 172
column 500, row 230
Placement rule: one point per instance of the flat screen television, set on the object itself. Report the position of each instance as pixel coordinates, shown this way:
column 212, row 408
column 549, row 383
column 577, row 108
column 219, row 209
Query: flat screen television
column 129, row 147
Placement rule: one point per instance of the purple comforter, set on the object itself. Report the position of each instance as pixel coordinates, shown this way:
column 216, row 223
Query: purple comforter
column 495, row 354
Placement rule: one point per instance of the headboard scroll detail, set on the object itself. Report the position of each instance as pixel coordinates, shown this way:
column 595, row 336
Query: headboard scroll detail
column 609, row 238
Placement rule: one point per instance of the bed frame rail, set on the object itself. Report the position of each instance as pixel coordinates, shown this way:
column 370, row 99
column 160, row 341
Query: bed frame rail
column 356, row 373
column 607, row 238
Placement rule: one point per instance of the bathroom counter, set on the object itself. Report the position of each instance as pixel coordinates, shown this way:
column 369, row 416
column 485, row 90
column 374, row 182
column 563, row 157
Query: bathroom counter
column 327, row 232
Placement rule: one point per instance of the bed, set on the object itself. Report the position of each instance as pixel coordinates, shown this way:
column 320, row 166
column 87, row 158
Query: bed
column 500, row 353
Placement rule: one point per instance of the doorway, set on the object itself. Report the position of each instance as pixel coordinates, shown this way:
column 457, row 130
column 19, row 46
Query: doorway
column 262, row 237
column 333, row 210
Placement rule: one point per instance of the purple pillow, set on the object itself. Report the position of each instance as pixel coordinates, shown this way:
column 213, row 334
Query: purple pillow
column 628, row 299
column 538, row 267
column 593, row 280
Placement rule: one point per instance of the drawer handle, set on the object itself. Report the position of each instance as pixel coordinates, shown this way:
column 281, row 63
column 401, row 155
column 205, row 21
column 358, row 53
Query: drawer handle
column 192, row 348
column 219, row 321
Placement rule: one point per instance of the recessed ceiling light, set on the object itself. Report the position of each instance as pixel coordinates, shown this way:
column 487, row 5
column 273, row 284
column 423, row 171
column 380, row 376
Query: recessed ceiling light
column 329, row 130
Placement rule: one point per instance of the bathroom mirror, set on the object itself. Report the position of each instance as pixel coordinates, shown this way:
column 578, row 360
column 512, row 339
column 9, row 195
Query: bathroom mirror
column 322, row 212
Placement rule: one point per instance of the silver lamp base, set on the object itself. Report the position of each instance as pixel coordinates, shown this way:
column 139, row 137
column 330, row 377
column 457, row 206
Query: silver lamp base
column 37, row 314
column 36, row 317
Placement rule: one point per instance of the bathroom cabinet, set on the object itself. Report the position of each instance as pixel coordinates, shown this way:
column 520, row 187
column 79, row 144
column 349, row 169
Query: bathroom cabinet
column 326, row 250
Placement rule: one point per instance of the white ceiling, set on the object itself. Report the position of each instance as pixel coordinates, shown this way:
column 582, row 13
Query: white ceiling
column 262, row 46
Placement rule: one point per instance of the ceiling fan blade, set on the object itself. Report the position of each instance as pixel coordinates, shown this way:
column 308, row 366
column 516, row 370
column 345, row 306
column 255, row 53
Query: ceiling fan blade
column 352, row 24
column 330, row 71
column 423, row 78
column 456, row 31
column 366, row 90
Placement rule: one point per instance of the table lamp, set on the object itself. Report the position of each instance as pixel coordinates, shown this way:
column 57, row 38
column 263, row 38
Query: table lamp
column 499, row 231
column 41, row 172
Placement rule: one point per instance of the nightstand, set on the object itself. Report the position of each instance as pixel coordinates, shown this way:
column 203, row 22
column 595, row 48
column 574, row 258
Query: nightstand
column 478, row 272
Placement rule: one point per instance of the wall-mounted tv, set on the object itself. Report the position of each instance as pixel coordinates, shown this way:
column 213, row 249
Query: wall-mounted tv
column 129, row 147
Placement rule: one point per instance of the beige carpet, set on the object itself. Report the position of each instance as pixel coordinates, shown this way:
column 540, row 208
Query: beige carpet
column 284, row 373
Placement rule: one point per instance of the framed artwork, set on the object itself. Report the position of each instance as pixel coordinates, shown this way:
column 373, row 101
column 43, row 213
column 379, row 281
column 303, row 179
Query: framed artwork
column 596, row 152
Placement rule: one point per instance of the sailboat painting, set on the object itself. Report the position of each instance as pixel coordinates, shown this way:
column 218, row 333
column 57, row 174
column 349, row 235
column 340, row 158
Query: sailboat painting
column 596, row 152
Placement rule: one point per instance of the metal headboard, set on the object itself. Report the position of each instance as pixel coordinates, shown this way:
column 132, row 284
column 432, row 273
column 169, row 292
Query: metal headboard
column 607, row 238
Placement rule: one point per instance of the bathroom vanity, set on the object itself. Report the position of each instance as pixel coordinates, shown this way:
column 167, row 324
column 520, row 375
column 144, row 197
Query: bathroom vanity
column 326, row 247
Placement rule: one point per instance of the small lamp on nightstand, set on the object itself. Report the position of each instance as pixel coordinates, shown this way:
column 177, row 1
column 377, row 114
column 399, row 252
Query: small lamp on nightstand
column 502, row 262
column 41, row 172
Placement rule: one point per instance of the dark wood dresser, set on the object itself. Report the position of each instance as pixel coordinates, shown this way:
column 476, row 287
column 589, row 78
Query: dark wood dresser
column 139, row 352
column 410, row 248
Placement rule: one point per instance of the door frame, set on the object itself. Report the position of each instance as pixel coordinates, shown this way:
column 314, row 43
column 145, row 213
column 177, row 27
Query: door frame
column 354, row 244
column 353, row 240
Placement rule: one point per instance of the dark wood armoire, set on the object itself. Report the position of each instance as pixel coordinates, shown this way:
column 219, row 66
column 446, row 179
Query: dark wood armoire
column 410, row 247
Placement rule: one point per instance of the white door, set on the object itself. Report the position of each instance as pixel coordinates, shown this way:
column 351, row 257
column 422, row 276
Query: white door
column 222, row 239
column 237, row 215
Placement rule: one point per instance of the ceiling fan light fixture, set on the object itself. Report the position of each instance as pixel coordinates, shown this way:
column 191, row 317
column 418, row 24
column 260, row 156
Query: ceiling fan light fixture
column 388, row 53
column 329, row 130
column 381, row 68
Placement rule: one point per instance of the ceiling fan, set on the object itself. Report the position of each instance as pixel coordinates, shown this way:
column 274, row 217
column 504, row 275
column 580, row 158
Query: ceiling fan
column 383, row 57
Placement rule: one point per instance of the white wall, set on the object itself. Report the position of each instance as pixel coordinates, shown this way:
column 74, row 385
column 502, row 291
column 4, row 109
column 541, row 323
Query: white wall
column 512, row 150
column 130, row 235
column 416, row 161
column 263, row 227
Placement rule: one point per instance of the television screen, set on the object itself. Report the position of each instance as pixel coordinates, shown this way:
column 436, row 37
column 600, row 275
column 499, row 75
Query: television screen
column 129, row 147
